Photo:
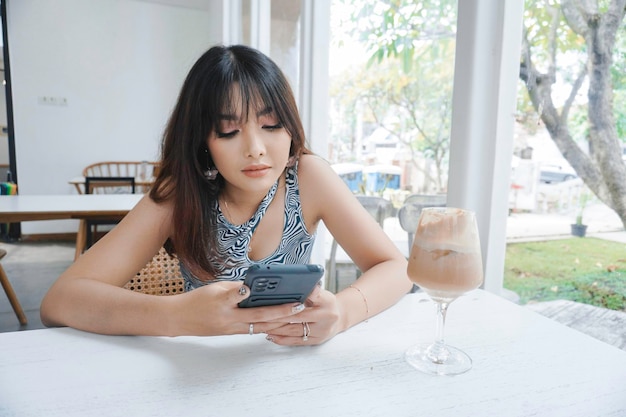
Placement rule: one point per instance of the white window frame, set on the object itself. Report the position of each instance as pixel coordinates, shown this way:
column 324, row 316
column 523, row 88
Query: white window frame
column 489, row 35
column 484, row 99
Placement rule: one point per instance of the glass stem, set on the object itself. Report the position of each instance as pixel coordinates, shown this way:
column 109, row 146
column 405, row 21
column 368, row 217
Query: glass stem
column 438, row 352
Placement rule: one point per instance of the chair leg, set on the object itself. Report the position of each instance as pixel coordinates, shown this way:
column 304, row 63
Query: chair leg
column 332, row 282
column 81, row 238
column 15, row 303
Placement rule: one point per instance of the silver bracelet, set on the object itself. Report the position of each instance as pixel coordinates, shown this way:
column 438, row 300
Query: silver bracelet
column 367, row 308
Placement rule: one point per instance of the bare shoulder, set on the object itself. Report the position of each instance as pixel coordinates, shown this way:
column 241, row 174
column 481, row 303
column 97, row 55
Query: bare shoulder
column 315, row 175
column 149, row 215
column 308, row 161
column 321, row 189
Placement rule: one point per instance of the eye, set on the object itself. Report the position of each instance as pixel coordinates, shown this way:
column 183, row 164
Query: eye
column 272, row 128
column 226, row 135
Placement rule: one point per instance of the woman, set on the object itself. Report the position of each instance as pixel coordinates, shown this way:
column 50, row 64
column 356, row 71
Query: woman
column 237, row 186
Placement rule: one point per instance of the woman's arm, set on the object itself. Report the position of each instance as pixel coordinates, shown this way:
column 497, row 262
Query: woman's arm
column 384, row 280
column 89, row 294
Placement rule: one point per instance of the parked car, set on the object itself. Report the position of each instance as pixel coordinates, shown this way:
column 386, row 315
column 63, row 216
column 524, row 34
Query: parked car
column 552, row 175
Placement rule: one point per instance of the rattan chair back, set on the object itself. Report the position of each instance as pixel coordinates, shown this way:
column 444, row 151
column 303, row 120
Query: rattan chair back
column 161, row 276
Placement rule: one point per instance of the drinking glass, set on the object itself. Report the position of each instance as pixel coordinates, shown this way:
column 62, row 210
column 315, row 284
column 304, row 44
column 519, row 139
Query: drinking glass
column 445, row 262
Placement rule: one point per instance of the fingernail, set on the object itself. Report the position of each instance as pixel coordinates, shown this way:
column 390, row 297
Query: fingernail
column 297, row 308
column 242, row 290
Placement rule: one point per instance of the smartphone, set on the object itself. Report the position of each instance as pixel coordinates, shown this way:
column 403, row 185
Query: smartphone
column 273, row 284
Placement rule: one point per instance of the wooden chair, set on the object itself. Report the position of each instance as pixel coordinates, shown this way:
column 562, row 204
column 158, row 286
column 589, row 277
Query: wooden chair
column 142, row 171
column 161, row 276
column 109, row 185
column 121, row 184
column 380, row 209
column 8, row 289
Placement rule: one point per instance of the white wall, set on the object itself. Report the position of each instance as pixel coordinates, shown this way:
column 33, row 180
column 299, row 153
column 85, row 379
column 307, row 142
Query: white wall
column 118, row 63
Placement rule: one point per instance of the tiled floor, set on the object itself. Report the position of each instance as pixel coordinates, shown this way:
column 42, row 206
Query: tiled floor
column 31, row 269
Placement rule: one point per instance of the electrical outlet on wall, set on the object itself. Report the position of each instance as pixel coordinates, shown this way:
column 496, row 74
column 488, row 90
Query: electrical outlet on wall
column 52, row 101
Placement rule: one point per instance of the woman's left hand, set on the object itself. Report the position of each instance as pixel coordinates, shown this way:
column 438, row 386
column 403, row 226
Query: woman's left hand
column 316, row 324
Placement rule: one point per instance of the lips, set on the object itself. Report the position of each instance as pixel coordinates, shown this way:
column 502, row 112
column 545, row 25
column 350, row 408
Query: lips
column 256, row 171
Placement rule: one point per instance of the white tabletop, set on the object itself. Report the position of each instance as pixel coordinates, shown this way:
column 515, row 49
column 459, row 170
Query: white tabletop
column 49, row 207
column 524, row 365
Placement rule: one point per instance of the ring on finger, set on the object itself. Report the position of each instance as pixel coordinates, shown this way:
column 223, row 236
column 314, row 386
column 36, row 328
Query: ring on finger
column 251, row 329
column 306, row 330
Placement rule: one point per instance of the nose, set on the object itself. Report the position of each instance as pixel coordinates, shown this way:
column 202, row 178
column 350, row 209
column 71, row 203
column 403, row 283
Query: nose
column 254, row 145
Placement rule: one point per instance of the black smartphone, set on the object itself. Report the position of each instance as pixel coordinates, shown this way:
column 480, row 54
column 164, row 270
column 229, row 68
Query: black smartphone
column 279, row 284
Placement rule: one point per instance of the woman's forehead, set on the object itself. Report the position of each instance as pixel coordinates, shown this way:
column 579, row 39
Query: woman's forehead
column 249, row 96
column 236, row 109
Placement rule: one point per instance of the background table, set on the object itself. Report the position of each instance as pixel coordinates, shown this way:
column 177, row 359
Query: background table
column 20, row 208
column 524, row 365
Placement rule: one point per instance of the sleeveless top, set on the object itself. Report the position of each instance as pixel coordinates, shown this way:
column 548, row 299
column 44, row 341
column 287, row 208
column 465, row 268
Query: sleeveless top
column 295, row 246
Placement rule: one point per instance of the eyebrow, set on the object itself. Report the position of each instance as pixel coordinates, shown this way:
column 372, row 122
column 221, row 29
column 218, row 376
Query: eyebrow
column 260, row 113
column 265, row 112
column 228, row 117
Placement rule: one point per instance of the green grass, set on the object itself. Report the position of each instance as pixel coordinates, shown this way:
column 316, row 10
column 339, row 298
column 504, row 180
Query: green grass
column 586, row 270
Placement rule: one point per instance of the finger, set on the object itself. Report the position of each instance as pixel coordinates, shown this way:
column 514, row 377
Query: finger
column 292, row 330
column 291, row 341
column 238, row 293
column 315, row 294
column 295, row 334
column 279, row 313
column 267, row 319
column 256, row 328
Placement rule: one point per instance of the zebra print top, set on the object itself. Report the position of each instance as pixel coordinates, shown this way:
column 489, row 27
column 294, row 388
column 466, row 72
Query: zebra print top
column 295, row 246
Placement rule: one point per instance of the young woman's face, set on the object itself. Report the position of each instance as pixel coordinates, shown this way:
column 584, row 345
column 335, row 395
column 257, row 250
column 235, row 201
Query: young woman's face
column 250, row 152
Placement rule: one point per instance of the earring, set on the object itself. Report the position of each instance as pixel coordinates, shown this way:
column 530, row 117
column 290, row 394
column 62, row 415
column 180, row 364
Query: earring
column 291, row 161
column 211, row 173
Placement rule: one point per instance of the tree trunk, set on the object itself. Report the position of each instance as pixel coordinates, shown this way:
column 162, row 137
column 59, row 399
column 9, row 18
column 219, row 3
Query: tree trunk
column 603, row 171
column 607, row 150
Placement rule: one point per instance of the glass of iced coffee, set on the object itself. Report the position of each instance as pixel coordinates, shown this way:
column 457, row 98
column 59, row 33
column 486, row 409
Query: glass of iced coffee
column 445, row 262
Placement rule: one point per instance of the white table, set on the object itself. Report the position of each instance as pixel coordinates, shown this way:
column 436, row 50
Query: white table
column 20, row 208
column 524, row 365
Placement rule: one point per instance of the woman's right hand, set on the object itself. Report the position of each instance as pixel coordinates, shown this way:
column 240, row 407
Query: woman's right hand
column 213, row 310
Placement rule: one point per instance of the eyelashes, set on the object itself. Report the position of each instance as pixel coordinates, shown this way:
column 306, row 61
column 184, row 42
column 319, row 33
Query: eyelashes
column 232, row 133
column 273, row 127
column 226, row 134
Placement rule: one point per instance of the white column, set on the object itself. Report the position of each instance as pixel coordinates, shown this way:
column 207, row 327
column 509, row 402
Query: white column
column 231, row 18
column 484, row 100
column 260, row 21
column 312, row 93
column 313, row 79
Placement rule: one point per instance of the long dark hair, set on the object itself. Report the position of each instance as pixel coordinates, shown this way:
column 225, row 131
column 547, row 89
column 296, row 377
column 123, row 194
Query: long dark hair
column 206, row 93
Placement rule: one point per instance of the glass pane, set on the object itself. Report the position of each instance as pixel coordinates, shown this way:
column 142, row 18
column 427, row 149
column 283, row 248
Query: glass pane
column 391, row 73
column 569, row 141
column 284, row 34
column 285, row 38
column 246, row 37
column 391, row 69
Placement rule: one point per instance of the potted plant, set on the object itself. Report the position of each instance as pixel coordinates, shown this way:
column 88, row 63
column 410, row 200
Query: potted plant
column 579, row 228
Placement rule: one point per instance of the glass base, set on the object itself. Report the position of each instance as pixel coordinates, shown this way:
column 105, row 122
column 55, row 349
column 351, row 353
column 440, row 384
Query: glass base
column 447, row 361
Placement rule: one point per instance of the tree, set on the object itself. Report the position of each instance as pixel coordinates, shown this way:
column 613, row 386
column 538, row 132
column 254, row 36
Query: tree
column 407, row 85
column 566, row 44
column 592, row 26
